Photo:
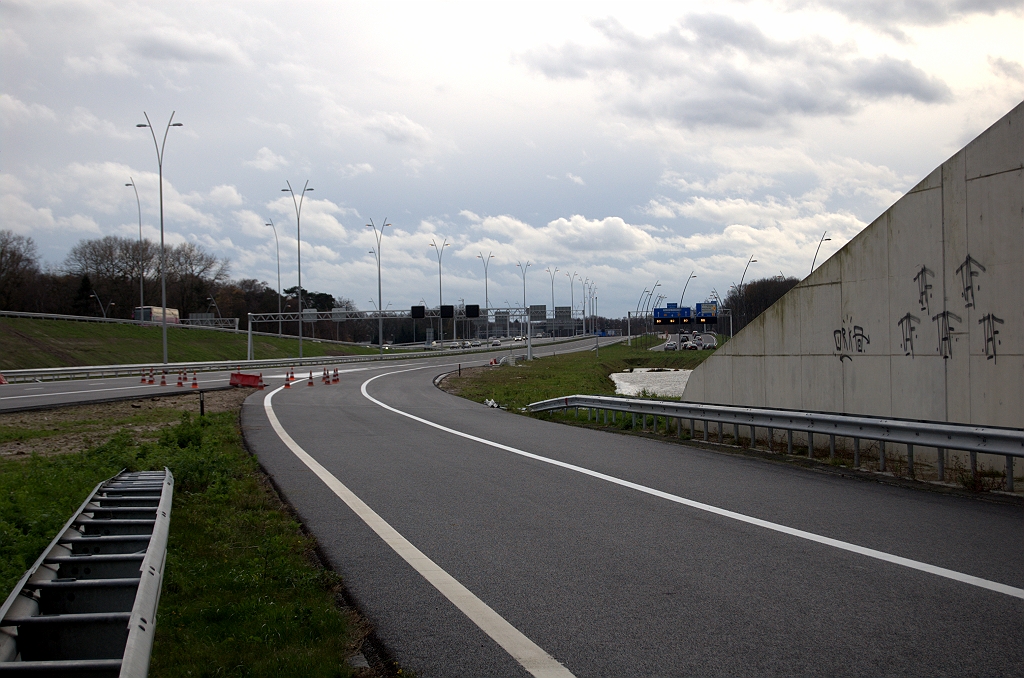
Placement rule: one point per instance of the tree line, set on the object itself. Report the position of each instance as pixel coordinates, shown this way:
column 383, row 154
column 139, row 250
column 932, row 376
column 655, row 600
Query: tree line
column 102, row 276
column 753, row 299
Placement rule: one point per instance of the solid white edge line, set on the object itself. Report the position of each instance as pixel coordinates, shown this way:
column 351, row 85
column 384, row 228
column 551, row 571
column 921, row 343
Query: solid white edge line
column 532, row 657
column 810, row 536
column 104, row 390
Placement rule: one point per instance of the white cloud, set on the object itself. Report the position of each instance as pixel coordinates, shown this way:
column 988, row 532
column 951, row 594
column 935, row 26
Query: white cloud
column 225, row 196
column 267, row 160
column 13, row 110
column 396, row 128
column 83, row 120
column 575, row 179
column 353, row 170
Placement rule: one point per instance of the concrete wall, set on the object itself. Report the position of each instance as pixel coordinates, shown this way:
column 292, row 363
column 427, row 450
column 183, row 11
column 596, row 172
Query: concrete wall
column 920, row 316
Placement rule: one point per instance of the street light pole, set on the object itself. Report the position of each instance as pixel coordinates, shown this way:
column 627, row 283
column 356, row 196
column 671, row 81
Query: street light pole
column 298, row 238
column 692, row 276
column 750, row 261
column 380, row 295
column 525, row 310
column 572, row 300
column 142, row 272
column 277, row 243
column 552, row 274
column 163, row 259
column 440, row 296
column 487, row 298
column 823, row 239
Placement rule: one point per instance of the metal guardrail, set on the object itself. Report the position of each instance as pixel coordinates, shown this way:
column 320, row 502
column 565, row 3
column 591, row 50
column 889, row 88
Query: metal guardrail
column 1007, row 442
column 139, row 369
column 88, row 604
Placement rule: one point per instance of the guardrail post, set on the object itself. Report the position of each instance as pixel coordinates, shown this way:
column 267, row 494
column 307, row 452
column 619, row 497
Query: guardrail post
column 736, row 434
column 693, row 429
column 789, row 441
column 832, row 447
column 940, row 462
column 721, row 432
column 881, row 455
column 910, row 460
column 810, row 444
column 704, row 425
column 753, row 437
column 974, row 465
column 632, row 426
column 771, row 439
column 679, row 427
column 856, row 453
column 1009, row 473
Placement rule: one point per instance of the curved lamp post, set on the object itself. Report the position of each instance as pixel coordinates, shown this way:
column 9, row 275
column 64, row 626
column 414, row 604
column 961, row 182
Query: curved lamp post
column 487, row 298
column 823, row 239
column 142, row 273
column 163, row 259
column 298, row 236
column 440, row 296
column 526, row 311
column 692, row 276
column 552, row 274
column 376, row 253
column 277, row 243
column 572, row 299
column 750, row 261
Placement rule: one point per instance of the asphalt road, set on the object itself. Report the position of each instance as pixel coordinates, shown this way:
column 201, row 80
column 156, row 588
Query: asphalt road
column 512, row 545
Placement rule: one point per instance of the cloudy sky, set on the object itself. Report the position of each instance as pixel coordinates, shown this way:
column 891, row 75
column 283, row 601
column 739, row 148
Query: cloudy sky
column 628, row 142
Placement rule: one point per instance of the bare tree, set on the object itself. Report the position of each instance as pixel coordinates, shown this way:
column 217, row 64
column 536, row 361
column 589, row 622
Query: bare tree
column 19, row 264
column 195, row 275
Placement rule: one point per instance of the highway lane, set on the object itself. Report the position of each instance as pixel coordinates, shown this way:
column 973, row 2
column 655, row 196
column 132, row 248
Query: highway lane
column 610, row 580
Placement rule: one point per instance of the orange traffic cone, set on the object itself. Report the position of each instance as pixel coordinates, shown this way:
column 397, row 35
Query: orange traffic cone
column 310, row 379
column 163, row 378
column 287, row 382
column 195, row 383
column 291, row 376
column 151, row 375
column 180, row 384
column 335, row 375
column 261, row 385
column 143, row 378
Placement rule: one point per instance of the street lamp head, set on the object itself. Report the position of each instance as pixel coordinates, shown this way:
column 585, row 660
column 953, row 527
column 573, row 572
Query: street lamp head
column 308, row 189
column 285, row 190
column 176, row 124
column 129, row 184
column 826, row 239
column 142, row 124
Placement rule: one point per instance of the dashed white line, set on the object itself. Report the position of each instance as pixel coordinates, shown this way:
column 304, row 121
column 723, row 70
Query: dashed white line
column 531, row 656
column 802, row 534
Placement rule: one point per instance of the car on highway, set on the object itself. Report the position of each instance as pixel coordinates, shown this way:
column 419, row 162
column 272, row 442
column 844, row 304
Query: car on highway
column 671, row 346
column 517, row 338
column 466, row 344
column 476, row 342
column 454, row 345
column 495, row 342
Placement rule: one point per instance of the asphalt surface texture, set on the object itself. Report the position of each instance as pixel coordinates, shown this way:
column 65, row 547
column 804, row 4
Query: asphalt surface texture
column 610, row 580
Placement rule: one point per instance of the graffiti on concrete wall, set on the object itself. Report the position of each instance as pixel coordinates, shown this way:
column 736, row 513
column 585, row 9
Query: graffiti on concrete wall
column 924, row 289
column 989, row 325
column 850, row 339
column 968, row 271
column 908, row 328
column 946, row 330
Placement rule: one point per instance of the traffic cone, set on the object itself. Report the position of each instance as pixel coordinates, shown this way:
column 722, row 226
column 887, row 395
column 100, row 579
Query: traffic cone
column 163, row 377
column 150, row 376
column 287, row 382
column 335, row 375
column 310, row 379
column 261, row 385
column 291, row 376
column 179, row 380
column 143, row 378
column 195, row 383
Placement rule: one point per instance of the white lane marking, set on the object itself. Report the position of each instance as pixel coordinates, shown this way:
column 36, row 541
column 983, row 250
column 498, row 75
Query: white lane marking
column 103, row 390
column 523, row 650
column 810, row 536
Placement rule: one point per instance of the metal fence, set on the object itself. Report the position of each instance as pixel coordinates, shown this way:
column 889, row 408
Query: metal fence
column 88, row 604
column 1006, row 442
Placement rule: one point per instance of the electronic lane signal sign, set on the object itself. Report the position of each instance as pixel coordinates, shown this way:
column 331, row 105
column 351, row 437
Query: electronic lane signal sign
column 472, row 310
column 418, row 312
column 447, row 311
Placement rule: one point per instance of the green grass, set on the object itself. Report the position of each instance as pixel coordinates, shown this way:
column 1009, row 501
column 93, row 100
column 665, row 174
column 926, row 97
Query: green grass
column 31, row 343
column 565, row 374
column 241, row 594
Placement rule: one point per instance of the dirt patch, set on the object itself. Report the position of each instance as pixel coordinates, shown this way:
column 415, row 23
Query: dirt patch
column 78, row 427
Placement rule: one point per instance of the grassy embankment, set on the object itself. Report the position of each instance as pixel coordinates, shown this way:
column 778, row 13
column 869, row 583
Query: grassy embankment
column 29, row 343
column 564, row 374
column 242, row 592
